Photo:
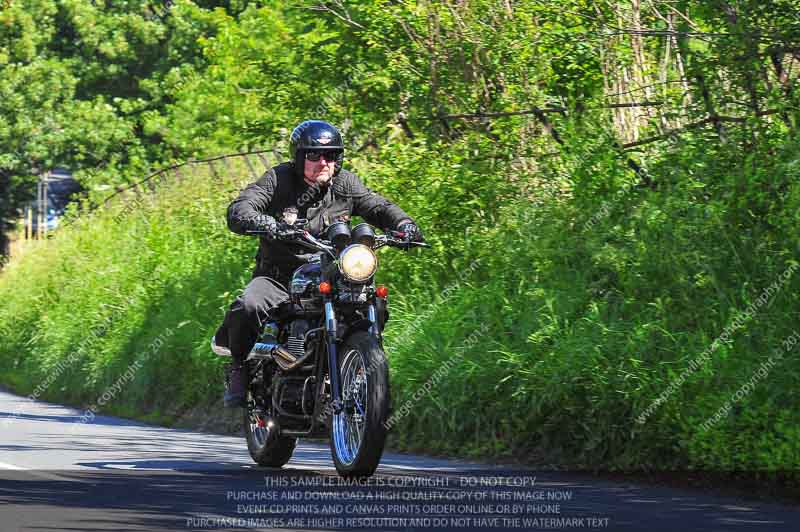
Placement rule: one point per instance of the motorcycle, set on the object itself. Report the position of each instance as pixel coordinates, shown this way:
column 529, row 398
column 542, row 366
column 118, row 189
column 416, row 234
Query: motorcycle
column 322, row 371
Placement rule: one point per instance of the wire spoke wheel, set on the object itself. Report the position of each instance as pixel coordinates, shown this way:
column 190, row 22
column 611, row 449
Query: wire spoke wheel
column 258, row 425
column 264, row 442
column 358, row 432
column 348, row 425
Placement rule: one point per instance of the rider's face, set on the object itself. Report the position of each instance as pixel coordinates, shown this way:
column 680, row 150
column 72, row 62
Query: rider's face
column 319, row 172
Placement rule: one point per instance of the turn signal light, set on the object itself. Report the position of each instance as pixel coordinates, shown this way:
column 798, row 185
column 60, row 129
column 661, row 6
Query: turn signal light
column 381, row 291
column 324, row 287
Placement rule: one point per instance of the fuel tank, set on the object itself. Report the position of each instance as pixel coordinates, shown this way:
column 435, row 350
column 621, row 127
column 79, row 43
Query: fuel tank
column 304, row 279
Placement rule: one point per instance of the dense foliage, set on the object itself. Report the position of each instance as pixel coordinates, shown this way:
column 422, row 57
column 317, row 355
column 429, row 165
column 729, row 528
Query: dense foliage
column 618, row 180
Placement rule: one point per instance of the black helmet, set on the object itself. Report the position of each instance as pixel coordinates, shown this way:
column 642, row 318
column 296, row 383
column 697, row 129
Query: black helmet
column 314, row 135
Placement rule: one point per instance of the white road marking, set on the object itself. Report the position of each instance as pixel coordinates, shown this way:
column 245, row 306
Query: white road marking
column 37, row 473
column 134, row 467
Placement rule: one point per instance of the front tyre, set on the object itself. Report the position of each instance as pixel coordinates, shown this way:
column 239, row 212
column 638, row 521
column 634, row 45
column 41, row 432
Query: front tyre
column 358, row 431
column 266, row 446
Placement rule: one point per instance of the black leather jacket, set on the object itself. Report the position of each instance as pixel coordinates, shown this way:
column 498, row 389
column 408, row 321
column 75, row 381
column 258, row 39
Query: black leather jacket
column 279, row 189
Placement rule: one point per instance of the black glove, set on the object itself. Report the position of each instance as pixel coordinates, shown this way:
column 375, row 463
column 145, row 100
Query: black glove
column 264, row 222
column 412, row 232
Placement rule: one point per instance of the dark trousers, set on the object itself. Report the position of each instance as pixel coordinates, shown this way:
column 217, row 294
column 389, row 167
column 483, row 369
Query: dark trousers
column 259, row 302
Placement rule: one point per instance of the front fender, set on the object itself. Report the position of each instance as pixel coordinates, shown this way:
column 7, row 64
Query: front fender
column 358, row 325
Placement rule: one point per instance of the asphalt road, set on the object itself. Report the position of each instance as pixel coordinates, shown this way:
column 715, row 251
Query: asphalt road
column 57, row 473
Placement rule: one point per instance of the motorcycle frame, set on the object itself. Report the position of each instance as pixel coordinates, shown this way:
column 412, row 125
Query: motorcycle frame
column 374, row 323
column 326, row 362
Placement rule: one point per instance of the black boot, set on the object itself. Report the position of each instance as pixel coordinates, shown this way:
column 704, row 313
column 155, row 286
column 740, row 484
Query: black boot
column 235, row 378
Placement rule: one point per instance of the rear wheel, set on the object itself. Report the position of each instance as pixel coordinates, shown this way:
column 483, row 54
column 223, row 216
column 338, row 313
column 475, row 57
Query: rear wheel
column 357, row 432
column 266, row 446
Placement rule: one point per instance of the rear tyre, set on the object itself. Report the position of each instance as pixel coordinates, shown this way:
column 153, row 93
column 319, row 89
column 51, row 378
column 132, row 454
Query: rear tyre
column 358, row 432
column 266, row 446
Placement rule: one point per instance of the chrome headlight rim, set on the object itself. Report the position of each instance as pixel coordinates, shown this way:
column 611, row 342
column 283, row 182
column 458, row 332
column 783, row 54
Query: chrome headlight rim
column 349, row 277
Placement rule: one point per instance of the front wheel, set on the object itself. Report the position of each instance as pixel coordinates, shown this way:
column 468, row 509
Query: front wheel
column 358, row 431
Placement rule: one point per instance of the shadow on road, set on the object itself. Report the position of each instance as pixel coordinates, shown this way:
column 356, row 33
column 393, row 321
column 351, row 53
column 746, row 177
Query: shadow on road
column 179, row 495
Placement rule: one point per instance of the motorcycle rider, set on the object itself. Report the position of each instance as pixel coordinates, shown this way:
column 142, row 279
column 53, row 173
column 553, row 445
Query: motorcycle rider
column 314, row 186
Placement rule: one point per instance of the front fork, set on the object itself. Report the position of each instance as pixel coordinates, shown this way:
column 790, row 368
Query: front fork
column 333, row 362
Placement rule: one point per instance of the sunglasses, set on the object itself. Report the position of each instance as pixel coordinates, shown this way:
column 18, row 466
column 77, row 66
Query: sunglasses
column 329, row 155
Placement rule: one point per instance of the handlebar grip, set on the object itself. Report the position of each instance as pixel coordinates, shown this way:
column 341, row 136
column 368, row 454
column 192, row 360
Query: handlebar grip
column 287, row 234
column 278, row 235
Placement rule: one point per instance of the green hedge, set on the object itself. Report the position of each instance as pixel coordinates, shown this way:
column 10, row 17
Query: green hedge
column 543, row 332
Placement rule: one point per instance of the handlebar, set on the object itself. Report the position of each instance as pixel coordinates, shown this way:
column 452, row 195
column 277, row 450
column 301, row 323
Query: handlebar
column 301, row 236
column 391, row 239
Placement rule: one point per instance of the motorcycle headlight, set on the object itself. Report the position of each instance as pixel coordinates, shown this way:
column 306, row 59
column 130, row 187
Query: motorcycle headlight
column 358, row 263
